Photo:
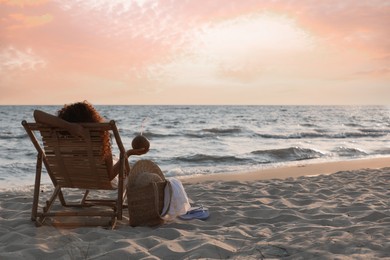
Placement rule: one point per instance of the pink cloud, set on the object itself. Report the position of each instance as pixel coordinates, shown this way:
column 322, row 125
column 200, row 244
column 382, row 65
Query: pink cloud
column 384, row 72
column 14, row 59
column 20, row 21
column 352, row 24
column 23, row 3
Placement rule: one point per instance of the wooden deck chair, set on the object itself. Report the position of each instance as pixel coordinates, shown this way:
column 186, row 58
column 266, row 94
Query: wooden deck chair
column 74, row 162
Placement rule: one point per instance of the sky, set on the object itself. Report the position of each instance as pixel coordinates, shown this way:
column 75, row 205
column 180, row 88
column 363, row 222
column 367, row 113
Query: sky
column 134, row 52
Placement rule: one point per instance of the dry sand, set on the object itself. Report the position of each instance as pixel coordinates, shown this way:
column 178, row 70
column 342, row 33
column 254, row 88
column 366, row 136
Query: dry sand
column 344, row 215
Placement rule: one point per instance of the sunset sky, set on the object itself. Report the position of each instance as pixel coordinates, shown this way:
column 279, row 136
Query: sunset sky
column 195, row 52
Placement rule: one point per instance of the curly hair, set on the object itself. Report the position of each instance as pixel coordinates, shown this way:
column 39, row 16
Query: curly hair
column 84, row 112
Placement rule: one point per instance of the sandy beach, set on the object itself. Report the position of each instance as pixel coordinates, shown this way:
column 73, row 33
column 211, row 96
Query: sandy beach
column 337, row 210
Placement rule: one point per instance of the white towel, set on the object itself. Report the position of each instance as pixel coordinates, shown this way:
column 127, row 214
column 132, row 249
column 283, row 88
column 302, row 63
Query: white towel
column 179, row 203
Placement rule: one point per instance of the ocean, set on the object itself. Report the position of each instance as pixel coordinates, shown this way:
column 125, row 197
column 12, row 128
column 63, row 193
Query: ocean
column 198, row 140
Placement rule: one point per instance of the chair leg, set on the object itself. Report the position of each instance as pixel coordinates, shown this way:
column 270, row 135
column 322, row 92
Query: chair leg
column 84, row 197
column 119, row 207
column 53, row 197
column 62, row 198
column 122, row 174
column 37, row 185
column 49, row 203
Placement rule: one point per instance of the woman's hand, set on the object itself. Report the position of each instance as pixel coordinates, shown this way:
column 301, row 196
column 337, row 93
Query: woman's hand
column 140, row 151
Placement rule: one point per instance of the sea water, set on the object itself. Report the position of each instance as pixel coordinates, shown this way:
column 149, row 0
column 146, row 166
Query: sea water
column 198, row 140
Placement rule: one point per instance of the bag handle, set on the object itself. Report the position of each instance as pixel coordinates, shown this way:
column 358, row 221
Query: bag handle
column 157, row 199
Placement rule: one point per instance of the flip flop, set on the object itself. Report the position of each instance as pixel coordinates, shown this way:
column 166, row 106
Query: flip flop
column 196, row 213
column 195, row 208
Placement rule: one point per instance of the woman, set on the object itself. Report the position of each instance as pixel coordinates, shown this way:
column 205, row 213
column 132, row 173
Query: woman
column 83, row 112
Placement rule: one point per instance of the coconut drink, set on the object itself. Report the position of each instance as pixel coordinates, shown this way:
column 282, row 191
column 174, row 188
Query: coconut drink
column 140, row 142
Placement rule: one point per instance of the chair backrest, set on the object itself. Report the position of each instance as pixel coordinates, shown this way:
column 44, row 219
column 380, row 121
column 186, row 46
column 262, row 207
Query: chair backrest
column 74, row 162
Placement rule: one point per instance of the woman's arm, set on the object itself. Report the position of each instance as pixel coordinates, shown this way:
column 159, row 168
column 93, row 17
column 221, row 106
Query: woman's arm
column 48, row 119
column 115, row 168
column 140, row 151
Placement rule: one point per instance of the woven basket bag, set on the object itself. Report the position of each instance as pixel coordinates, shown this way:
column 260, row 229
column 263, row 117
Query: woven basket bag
column 145, row 194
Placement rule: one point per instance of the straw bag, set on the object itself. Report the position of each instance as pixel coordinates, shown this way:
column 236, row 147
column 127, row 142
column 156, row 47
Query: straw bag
column 145, row 194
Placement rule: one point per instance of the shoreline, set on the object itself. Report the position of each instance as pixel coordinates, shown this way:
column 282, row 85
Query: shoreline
column 284, row 172
column 277, row 172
